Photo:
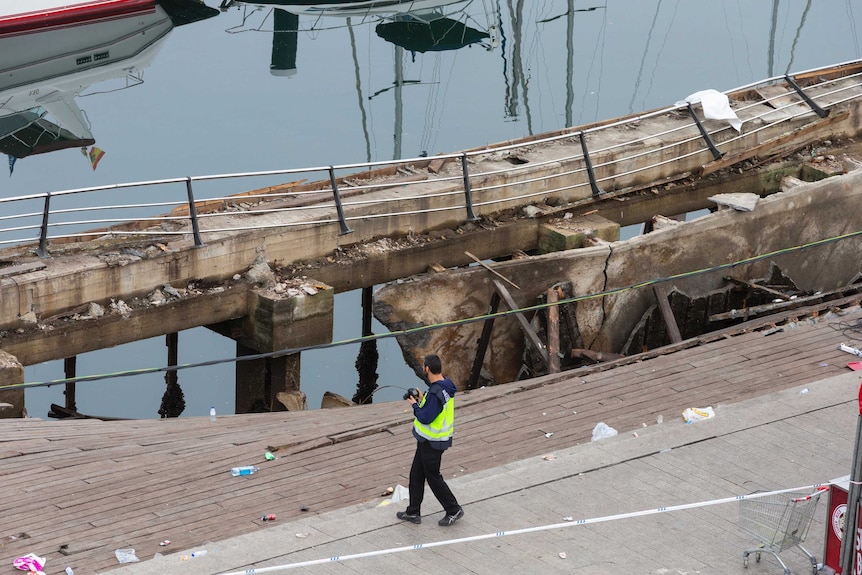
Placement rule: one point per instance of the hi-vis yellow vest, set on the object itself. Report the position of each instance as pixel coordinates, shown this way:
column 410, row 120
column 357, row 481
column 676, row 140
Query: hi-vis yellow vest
column 443, row 426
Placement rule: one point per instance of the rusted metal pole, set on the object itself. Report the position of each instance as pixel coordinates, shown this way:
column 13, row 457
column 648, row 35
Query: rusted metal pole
column 342, row 221
column 193, row 214
column 42, row 250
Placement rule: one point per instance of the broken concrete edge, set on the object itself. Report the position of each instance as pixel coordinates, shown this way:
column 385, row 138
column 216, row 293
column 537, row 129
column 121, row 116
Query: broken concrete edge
column 668, row 253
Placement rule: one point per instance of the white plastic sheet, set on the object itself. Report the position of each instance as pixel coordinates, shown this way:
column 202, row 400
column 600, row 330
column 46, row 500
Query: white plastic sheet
column 126, row 555
column 716, row 106
column 602, row 431
column 693, row 414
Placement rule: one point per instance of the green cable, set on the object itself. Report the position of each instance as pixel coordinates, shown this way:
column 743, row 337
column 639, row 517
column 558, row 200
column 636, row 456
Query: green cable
column 424, row 328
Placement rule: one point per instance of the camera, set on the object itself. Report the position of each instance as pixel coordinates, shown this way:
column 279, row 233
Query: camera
column 412, row 392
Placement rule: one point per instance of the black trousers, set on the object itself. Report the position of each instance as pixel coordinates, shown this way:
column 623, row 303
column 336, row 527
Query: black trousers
column 426, row 467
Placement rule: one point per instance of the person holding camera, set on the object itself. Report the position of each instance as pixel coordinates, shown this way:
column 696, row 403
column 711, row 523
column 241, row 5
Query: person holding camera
column 433, row 425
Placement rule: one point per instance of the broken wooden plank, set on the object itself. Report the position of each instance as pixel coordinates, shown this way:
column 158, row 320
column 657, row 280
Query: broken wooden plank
column 785, row 305
column 484, row 265
column 758, row 287
column 776, row 146
column 484, row 340
column 532, row 337
column 667, row 314
column 553, row 332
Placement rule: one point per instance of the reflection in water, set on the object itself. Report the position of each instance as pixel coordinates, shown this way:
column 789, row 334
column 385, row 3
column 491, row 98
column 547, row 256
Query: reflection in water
column 50, row 57
column 417, row 26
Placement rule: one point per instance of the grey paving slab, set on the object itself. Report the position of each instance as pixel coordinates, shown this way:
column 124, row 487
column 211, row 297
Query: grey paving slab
column 516, row 514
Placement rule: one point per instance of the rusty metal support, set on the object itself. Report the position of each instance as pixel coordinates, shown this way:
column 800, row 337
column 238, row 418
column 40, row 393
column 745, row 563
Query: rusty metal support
column 594, row 185
column 193, row 214
column 342, row 221
column 42, row 250
column 468, row 193
column 716, row 154
column 811, row 103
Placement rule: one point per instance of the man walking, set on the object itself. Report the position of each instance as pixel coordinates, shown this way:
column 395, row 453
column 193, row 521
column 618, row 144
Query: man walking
column 433, row 425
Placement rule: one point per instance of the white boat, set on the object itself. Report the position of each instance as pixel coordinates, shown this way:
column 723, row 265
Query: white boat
column 22, row 16
column 53, row 51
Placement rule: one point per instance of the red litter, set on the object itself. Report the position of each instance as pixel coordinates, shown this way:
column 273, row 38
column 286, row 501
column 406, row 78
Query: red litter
column 855, row 365
column 270, row 517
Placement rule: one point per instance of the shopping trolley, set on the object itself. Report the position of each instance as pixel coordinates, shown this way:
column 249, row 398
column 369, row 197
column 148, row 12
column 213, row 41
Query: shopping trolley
column 779, row 521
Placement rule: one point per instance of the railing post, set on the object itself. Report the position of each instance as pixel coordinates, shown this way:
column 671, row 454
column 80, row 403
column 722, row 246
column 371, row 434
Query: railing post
column 811, row 104
column 342, row 221
column 193, row 214
column 42, row 251
column 715, row 153
column 468, row 192
column 594, row 185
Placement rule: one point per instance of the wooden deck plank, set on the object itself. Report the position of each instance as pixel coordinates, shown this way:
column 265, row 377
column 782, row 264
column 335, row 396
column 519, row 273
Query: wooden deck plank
column 170, row 479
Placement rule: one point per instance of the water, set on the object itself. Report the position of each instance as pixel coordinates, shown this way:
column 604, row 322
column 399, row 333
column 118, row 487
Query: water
column 209, row 104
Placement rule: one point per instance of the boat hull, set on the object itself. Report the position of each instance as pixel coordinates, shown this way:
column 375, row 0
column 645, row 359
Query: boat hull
column 24, row 16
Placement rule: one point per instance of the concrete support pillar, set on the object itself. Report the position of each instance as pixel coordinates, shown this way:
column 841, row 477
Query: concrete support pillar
column 261, row 384
column 11, row 373
column 251, row 380
column 278, row 321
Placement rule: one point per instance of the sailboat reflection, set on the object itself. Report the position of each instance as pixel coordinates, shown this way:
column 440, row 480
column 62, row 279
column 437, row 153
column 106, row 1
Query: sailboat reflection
column 53, row 50
column 418, row 34
column 346, row 8
column 415, row 25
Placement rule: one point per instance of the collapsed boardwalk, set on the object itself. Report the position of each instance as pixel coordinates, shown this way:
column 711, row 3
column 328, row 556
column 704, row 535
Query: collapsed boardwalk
column 75, row 491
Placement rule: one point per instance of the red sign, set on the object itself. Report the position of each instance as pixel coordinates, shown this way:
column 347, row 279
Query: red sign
column 835, row 527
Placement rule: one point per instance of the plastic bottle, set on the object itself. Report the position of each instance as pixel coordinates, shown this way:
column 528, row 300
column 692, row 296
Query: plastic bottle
column 212, row 413
column 247, row 470
column 69, row 571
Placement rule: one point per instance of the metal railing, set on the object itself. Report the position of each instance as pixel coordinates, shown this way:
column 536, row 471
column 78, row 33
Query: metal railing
column 329, row 200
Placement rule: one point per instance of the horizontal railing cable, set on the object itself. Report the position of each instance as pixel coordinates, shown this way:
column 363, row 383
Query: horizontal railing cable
column 244, row 203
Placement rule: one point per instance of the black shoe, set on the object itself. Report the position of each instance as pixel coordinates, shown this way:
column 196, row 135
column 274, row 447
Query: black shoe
column 411, row 517
column 451, row 519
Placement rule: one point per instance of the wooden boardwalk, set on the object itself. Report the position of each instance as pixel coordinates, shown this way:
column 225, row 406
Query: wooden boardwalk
column 75, row 491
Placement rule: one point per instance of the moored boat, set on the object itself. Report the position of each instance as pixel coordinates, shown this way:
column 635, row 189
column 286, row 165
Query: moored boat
column 22, row 16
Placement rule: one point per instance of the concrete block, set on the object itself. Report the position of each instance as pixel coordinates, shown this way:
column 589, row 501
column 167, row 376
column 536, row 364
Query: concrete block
column 566, row 234
column 284, row 320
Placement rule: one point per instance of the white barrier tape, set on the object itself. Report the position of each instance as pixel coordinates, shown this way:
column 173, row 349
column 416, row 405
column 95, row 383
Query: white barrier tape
column 525, row 530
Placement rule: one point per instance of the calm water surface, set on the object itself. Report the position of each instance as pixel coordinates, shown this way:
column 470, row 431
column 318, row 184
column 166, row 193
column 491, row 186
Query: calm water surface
column 210, row 103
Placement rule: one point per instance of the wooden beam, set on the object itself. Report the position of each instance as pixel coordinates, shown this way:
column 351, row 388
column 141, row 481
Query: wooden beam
column 785, row 305
column 667, row 314
column 484, row 340
column 553, row 332
column 797, row 137
column 758, row 287
column 481, row 263
column 532, row 337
